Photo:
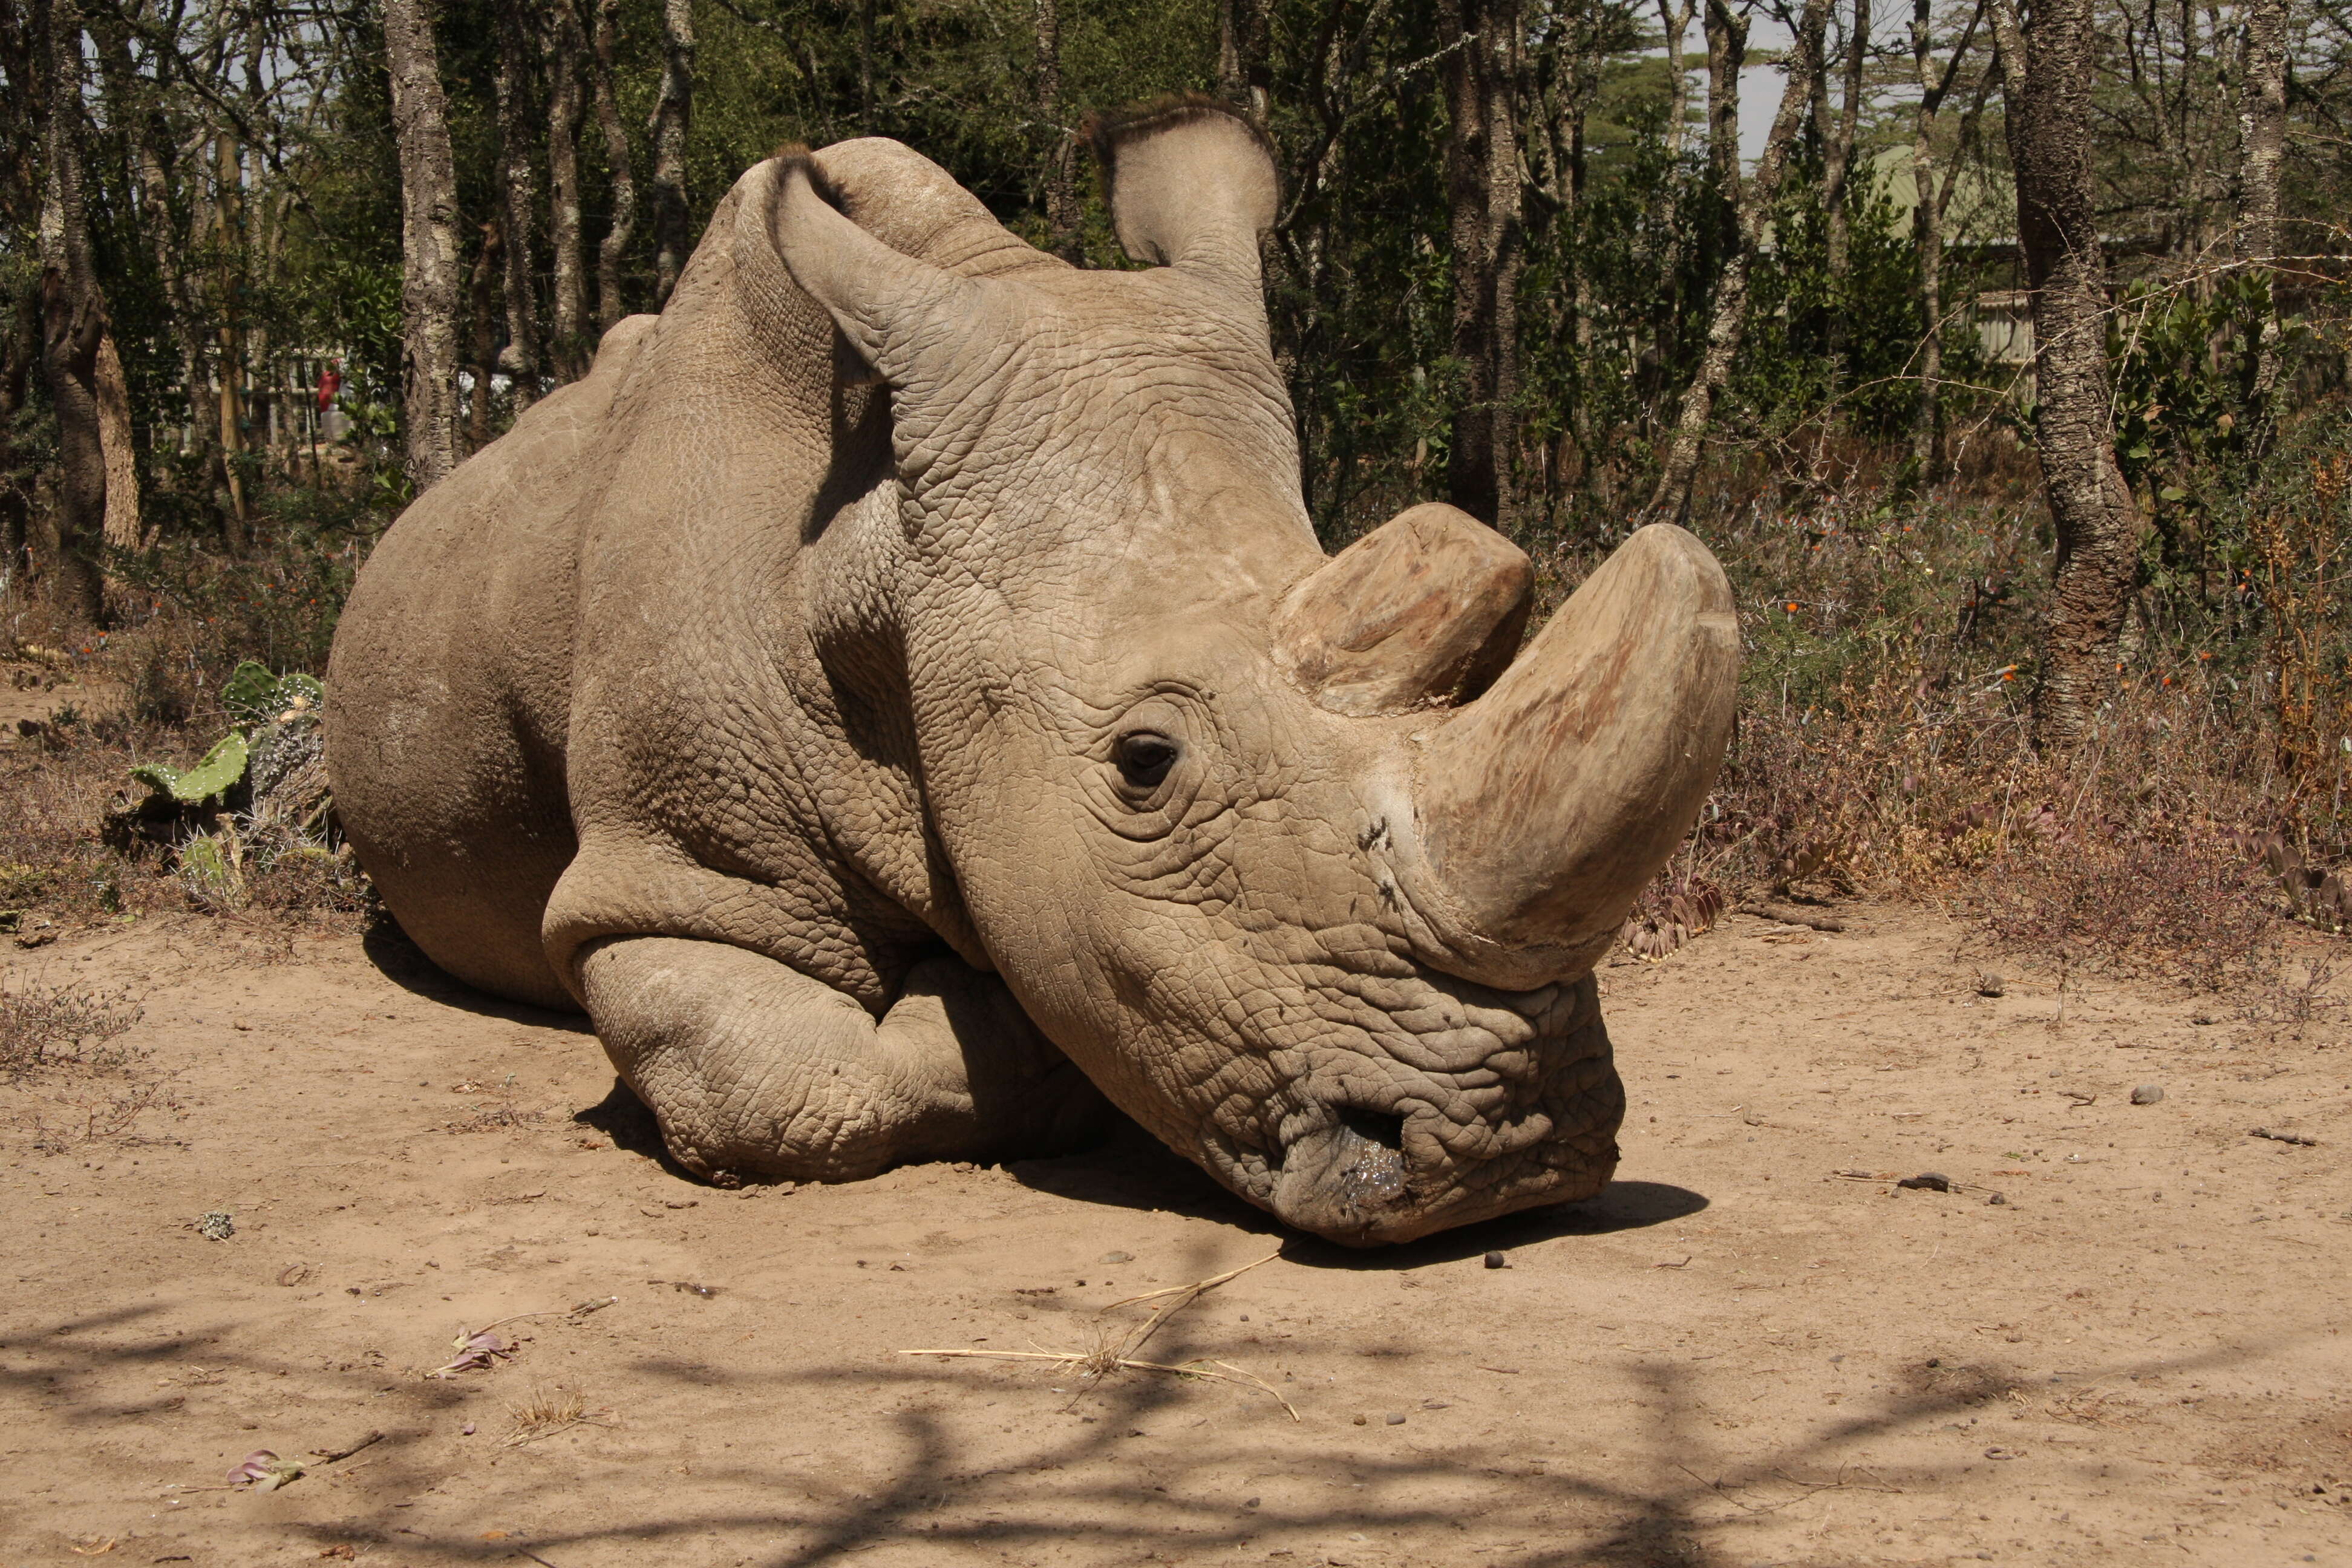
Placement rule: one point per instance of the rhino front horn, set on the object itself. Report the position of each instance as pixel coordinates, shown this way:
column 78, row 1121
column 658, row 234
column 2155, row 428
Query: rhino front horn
column 1546, row 805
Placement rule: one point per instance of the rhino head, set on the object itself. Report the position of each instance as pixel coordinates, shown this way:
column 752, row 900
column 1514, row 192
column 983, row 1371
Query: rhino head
column 1289, row 854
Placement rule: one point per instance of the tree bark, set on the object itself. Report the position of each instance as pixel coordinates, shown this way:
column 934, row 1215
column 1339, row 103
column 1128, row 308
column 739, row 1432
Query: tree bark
column 1749, row 203
column 482, row 296
column 619, row 174
column 20, row 350
column 428, row 201
column 228, row 401
column 1241, row 76
column 1061, row 189
column 2262, row 129
column 519, row 202
column 122, row 527
column 2047, row 65
column 73, row 326
column 671, row 113
column 1675, row 18
column 571, row 351
column 1482, row 188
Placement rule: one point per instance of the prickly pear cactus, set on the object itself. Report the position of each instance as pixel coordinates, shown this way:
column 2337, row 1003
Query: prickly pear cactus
column 220, row 771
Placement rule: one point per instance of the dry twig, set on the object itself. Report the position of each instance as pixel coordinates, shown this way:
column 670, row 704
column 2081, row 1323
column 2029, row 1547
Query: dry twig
column 1108, row 1356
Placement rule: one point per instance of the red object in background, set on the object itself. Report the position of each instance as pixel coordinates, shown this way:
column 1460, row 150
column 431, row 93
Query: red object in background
column 331, row 382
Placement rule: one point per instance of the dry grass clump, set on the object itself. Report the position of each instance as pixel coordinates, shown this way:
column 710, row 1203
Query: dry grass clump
column 45, row 1027
column 2190, row 909
column 545, row 1412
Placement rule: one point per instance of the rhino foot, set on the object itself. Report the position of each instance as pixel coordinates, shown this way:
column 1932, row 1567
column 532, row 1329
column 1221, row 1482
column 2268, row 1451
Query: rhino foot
column 752, row 1067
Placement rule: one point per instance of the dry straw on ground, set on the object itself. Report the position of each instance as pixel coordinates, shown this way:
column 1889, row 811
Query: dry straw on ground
column 1111, row 1353
column 545, row 1412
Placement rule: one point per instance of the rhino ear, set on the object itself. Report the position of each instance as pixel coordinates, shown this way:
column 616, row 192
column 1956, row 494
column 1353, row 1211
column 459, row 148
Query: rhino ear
column 886, row 303
column 1190, row 185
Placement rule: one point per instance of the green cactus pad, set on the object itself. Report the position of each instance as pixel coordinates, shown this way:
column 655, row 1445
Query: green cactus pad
column 223, row 766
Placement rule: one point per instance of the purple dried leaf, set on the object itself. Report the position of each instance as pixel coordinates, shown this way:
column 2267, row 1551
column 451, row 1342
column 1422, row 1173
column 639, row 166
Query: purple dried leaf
column 252, row 1468
column 265, row 1472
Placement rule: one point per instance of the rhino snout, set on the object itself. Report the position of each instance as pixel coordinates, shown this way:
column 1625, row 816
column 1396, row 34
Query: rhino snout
column 1530, row 1125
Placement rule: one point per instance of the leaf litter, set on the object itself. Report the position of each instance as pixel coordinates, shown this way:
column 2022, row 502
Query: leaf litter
column 479, row 1350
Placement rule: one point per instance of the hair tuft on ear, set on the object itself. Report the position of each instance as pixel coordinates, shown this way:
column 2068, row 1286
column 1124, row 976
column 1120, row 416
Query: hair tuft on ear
column 794, row 155
column 1191, row 183
column 1109, row 133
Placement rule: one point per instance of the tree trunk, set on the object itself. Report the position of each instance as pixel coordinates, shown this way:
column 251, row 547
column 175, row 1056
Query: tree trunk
column 2261, row 131
column 1928, row 227
column 1751, row 203
column 2047, row 65
column 1837, row 169
column 73, row 326
column 122, row 527
column 671, row 111
column 619, row 172
column 20, row 350
column 152, row 145
column 1061, row 190
column 228, row 404
column 482, row 295
column 428, row 201
column 569, row 352
column 865, row 68
column 1482, row 188
column 1241, row 76
column 1675, row 18
column 519, row 202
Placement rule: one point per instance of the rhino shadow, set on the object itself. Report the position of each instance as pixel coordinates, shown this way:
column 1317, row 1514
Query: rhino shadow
column 1133, row 1170
column 400, row 961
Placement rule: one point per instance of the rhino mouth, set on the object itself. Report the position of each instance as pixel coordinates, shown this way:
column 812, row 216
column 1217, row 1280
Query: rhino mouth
column 1370, row 1167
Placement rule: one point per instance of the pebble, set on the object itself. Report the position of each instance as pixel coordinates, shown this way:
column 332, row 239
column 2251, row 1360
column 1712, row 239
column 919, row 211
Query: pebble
column 2146, row 1094
column 1396, row 1417
column 1361, row 1420
column 1116, row 1257
column 1997, row 1199
column 1928, row 1181
column 1497, row 1260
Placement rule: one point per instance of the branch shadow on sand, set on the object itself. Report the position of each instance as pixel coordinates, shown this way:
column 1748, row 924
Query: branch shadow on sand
column 1094, row 1469
column 1114, row 1468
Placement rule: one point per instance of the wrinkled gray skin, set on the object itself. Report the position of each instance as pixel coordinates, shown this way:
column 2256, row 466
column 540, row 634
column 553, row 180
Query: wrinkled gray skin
column 775, row 693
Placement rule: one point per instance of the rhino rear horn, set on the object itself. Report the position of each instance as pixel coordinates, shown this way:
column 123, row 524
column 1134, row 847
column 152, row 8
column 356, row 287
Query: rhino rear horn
column 1425, row 610
column 1191, row 183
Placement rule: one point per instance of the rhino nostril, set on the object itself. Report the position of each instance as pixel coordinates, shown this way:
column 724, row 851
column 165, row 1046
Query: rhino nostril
column 1374, row 1127
column 1370, row 1157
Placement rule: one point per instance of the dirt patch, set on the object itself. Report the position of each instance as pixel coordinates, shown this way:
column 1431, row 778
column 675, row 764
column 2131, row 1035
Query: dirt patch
column 1736, row 1355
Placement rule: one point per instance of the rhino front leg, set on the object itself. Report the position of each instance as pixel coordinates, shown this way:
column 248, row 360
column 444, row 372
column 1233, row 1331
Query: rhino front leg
column 751, row 1067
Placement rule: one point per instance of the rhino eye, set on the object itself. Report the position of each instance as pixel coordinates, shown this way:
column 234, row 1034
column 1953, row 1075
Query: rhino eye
column 1144, row 758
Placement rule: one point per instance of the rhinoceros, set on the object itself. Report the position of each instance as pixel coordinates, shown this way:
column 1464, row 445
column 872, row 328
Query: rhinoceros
column 899, row 695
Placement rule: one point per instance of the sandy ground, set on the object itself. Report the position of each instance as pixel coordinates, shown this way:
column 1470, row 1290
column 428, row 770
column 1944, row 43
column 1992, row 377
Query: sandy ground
column 1736, row 1357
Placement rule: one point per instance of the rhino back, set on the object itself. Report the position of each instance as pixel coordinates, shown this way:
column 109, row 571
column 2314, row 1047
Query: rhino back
column 451, row 688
